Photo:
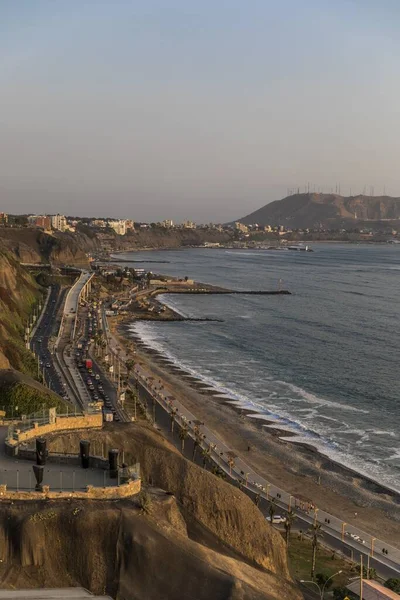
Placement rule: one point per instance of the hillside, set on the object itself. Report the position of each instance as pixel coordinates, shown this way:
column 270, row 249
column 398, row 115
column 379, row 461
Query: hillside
column 224, row 524
column 20, row 394
column 113, row 548
column 327, row 210
column 32, row 245
column 18, row 293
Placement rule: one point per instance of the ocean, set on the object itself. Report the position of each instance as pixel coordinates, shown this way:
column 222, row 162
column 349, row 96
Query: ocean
column 322, row 362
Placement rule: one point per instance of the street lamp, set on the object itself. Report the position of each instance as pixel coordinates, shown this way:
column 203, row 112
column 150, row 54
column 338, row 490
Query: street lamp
column 321, row 589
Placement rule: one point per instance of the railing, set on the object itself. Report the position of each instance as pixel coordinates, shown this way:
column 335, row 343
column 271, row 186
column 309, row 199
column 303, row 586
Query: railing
column 65, row 479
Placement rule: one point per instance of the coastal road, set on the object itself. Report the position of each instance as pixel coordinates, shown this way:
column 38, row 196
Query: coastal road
column 43, row 334
column 351, row 540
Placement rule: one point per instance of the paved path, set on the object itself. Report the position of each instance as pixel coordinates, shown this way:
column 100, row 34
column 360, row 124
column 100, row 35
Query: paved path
column 17, row 473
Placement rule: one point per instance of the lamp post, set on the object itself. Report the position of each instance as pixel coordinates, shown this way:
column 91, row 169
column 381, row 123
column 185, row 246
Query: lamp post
column 321, row 589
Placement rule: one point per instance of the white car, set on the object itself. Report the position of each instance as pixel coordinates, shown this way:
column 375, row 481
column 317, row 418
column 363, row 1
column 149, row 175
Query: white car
column 277, row 519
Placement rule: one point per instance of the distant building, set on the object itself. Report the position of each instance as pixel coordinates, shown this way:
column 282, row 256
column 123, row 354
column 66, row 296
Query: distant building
column 3, row 218
column 118, row 226
column 167, row 223
column 188, row 225
column 130, row 225
column 59, row 222
column 98, row 223
column 42, row 221
column 241, row 227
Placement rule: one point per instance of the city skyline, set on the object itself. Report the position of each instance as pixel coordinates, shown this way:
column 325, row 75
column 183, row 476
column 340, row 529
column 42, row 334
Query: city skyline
column 153, row 111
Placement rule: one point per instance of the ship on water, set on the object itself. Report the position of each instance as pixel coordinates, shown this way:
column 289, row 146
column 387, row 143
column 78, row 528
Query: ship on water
column 300, row 248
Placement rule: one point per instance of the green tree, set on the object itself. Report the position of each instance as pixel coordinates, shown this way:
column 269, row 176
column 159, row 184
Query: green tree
column 183, row 434
column 316, row 533
column 172, row 415
column 272, row 509
column 129, row 366
column 206, row 453
column 393, row 584
column 339, row 593
column 323, row 580
column 288, row 525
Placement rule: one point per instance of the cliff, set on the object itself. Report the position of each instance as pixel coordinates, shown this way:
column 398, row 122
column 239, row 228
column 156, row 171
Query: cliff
column 114, row 548
column 223, row 509
column 20, row 394
column 18, row 293
column 202, row 539
column 32, row 245
column 328, row 210
column 160, row 237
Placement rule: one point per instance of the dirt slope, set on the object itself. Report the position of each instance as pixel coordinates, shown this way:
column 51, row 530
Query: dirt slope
column 113, row 548
column 224, row 510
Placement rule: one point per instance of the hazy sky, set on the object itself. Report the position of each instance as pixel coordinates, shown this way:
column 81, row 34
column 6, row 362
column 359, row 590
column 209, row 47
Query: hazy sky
column 201, row 110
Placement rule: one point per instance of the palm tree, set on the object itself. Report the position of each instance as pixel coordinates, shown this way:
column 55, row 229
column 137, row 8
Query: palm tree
column 272, row 509
column 288, row 525
column 183, row 434
column 231, row 464
column 196, row 441
column 315, row 534
column 129, row 365
column 172, row 415
column 206, row 453
column 257, row 499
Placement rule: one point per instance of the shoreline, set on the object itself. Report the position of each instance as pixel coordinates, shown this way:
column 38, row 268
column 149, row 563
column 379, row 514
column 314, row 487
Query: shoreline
column 297, row 467
column 263, row 420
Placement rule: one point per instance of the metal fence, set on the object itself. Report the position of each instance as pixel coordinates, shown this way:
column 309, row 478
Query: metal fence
column 60, row 480
column 45, row 417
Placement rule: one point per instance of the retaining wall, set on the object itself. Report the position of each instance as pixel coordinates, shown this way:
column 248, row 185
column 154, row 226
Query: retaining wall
column 124, row 490
column 60, row 424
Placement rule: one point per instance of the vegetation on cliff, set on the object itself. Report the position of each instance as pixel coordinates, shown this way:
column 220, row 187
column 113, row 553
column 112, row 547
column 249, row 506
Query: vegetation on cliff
column 18, row 295
column 20, row 394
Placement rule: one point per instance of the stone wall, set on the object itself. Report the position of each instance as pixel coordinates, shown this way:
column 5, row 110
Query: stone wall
column 60, row 424
column 124, row 490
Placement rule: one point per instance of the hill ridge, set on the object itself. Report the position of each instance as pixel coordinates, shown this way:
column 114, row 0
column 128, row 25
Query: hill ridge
column 313, row 209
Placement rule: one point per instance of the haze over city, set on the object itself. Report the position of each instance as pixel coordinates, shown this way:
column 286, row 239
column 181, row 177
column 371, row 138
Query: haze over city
column 153, row 110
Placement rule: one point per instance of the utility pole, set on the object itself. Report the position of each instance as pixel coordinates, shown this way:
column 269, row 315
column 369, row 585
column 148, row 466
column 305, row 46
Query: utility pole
column 361, row 576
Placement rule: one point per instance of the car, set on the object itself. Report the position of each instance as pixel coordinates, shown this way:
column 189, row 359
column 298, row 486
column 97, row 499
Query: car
column 277, row 519
column 48, row 365
column 97, row 376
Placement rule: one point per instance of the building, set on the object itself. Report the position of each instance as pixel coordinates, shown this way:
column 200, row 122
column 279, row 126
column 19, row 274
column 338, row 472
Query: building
column 98, row 223
column 3, row 218
column 371, row 590
column 167, row 223
column 240, row 227
column 188, row 225
column 119, row 226
column 42, row 221
column 130, row 225
column 59, row 222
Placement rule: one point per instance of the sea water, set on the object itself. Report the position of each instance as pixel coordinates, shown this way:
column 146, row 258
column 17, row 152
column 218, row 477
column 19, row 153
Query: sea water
column 322, row 362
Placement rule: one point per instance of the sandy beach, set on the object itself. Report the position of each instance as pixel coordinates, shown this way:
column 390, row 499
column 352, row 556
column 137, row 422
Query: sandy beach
column 297, row 468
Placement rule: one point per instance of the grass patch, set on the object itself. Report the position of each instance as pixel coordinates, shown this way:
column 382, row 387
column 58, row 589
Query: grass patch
column 328, row 562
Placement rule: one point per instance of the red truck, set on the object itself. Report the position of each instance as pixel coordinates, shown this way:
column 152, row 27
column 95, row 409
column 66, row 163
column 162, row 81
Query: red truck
column 88, row 363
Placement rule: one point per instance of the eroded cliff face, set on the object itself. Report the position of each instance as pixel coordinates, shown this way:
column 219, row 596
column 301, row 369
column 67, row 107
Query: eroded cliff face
column 31, row 245
column 18, row 291
column 223, row 509
column 114, row 548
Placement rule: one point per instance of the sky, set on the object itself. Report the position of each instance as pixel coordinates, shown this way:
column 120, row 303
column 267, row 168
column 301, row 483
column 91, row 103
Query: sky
column 194, row 110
